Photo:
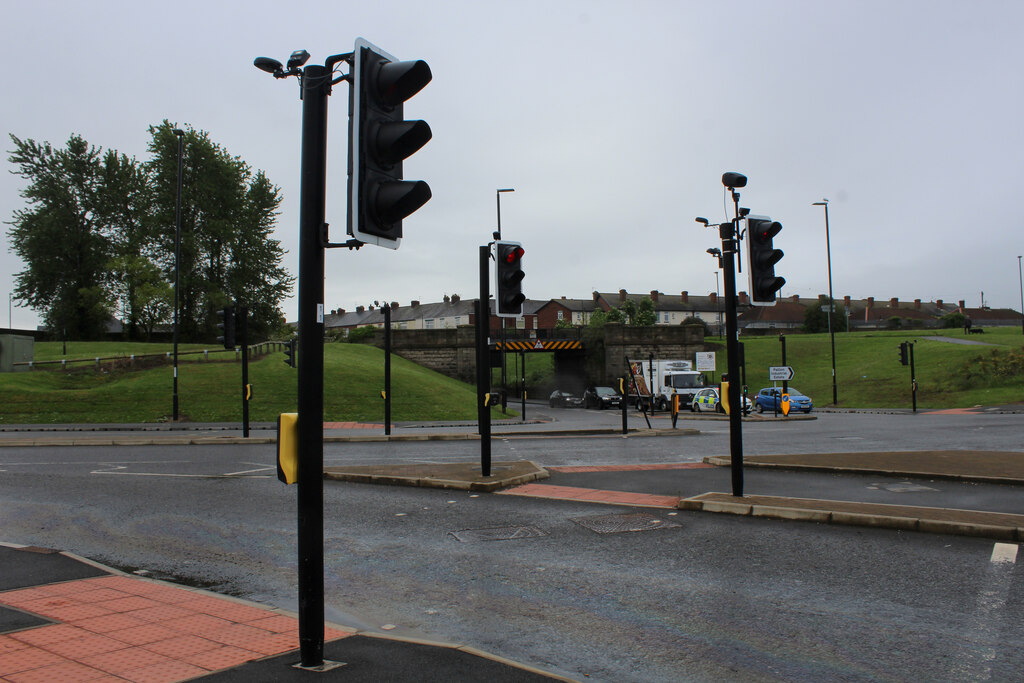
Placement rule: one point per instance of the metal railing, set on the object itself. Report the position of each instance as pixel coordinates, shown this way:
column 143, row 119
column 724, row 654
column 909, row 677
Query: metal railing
column 255, row 351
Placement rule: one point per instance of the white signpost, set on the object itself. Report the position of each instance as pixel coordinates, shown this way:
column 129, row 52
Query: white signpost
column 782, row 373
column 706, row 361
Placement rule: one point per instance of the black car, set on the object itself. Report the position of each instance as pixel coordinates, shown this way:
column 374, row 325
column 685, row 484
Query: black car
column 602, row 397
column 564, row 399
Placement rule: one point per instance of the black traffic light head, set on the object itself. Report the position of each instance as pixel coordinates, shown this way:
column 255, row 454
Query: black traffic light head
column 904, row 360
column 509, row 295
column 289, row 353
column 764, row 284
column 379, row 141
column 227, row 326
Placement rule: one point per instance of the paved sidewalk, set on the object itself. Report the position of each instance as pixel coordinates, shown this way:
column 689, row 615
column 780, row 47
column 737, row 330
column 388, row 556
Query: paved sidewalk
column 63, row 618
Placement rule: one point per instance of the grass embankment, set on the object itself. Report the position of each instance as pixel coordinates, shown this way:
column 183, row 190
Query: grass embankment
column 210, row 390
column 869, row 375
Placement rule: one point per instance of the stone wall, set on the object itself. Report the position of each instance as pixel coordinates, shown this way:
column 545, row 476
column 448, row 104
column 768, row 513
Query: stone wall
column 452, row 351
column 675, row 342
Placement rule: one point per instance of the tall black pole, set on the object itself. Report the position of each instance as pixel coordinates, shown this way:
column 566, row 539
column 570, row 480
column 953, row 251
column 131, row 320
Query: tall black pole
column 522, row 387
column 243, row 337
column 483, row 365
column 913, row 377
column 831, row 310
column 316, row 86
column 177, row 265
column 1020, row 279
column 727, row 231
column 387, row 368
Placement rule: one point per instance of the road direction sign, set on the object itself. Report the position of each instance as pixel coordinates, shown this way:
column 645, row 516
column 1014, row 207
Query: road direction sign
column 782, row 373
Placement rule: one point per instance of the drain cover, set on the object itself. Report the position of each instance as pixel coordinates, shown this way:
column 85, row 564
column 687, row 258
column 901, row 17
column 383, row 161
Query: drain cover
column 631, row 521
column 505, row 533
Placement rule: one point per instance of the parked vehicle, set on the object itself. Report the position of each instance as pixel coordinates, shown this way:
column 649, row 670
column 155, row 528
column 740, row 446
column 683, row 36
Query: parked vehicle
column 770, row 399
column 602, row 397
column 708, row 401
column 564, row 399
column 669, row 377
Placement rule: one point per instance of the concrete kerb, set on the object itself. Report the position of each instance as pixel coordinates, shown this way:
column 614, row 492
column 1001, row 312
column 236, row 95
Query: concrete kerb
column 462, row 476
column 868, row 515
column 726, row 461
column 185, row 440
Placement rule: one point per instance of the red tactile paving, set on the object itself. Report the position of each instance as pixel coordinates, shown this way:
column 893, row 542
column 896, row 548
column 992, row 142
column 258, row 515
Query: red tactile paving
column 118, row 628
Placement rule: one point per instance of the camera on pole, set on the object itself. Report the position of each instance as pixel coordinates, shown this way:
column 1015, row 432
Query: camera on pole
column 380, row 139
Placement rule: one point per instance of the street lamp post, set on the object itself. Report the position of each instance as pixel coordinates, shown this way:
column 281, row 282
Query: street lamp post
column 1021, row 279
column 497, row 236
column 177, row 259
column 831, row 302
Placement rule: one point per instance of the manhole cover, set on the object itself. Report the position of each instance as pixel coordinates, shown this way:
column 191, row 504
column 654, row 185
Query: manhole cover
column 505, row 533
column 901, row 487
column 630, row 521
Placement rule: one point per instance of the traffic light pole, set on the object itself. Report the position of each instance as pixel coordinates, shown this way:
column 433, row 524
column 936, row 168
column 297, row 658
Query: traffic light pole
column 913, row 377
column 727, row 231
column 316, row 87
column 483, row 365
column 387, row 368
column 243, row 337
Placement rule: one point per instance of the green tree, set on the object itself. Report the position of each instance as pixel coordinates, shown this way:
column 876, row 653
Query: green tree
column 61, row 238
column 228, row 213
column 645, row 313
column 123, row 205
column 816, row 318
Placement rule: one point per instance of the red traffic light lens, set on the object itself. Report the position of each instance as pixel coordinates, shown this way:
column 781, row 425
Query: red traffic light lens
column 513, row 254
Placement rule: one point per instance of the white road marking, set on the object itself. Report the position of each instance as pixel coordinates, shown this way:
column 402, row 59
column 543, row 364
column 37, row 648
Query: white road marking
column 261, row 469
column 1004, row 552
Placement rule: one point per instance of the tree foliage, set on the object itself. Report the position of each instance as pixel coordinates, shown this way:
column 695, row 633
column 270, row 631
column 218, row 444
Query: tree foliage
column 60, row 236
column 97, row 237
column 816, row 318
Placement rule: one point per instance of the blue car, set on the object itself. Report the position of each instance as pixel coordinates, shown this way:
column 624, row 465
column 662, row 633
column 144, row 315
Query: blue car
column 770, row 399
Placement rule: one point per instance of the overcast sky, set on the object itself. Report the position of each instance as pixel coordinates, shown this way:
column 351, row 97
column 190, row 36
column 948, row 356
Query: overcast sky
column 613, row 122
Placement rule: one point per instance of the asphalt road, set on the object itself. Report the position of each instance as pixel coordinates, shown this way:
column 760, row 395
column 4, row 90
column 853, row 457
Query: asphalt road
column 696, row 597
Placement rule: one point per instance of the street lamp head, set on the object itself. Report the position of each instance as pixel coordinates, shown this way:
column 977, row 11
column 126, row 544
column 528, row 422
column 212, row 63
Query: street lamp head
column 271, row 66
column 178, row 132
column 701, row 220
column 823, row 202
column 507, row 189
column 715, row 251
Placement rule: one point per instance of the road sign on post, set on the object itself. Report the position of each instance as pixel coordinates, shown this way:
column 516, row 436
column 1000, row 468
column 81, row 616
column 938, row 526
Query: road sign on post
column 782, row 373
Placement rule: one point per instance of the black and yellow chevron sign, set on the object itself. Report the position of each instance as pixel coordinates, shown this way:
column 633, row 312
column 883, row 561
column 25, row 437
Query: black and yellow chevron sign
column 539, row 345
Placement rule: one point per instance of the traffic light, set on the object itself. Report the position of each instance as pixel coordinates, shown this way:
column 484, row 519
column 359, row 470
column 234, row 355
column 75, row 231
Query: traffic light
column 508, row 294
column 763, row 256
column 227, row 327
column 289, row 353
column 379, row 140
column 903, row 353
